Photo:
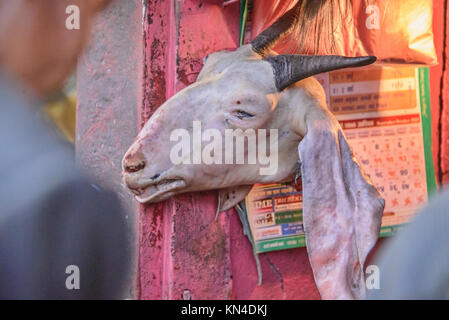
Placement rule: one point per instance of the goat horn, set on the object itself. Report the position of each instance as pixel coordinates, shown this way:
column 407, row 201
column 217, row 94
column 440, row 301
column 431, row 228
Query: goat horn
column 268, row 38
column 289, row 69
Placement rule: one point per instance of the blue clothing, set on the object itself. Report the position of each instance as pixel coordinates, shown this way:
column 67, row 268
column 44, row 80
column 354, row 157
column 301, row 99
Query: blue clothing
column 50, row 215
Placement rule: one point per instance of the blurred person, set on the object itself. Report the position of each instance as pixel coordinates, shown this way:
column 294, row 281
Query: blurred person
column 414, row 264
column 53, row 222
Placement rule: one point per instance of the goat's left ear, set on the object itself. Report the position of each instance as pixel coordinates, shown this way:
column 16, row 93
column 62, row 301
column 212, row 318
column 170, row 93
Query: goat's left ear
column 342, row 210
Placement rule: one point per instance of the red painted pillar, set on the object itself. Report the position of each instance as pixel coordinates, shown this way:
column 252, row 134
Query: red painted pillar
column 444, row 120
column 436, row 72
column 183, row 251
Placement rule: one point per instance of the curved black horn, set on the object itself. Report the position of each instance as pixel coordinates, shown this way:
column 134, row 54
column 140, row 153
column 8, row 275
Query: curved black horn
column 268, row 38
column 289, row 69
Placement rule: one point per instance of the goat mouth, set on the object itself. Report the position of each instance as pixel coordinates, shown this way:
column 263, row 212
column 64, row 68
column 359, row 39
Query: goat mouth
column 158, row 191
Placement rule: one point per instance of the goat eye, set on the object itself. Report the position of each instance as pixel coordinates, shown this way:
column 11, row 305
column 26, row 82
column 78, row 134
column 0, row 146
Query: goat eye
column 205, row 59
column 243, row 114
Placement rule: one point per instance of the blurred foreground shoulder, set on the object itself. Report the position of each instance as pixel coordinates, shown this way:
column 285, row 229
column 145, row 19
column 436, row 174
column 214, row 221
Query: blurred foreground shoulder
column 414, row 264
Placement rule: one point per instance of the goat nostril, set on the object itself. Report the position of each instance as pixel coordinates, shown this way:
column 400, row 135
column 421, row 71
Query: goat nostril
column 131, row 169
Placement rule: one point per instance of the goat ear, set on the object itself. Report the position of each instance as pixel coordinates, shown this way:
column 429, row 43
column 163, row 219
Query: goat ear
column 342, row 210
column 229, row 197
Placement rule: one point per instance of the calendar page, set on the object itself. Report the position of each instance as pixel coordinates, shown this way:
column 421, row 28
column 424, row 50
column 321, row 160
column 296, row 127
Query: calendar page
column 384, row 111
column 275, row 216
